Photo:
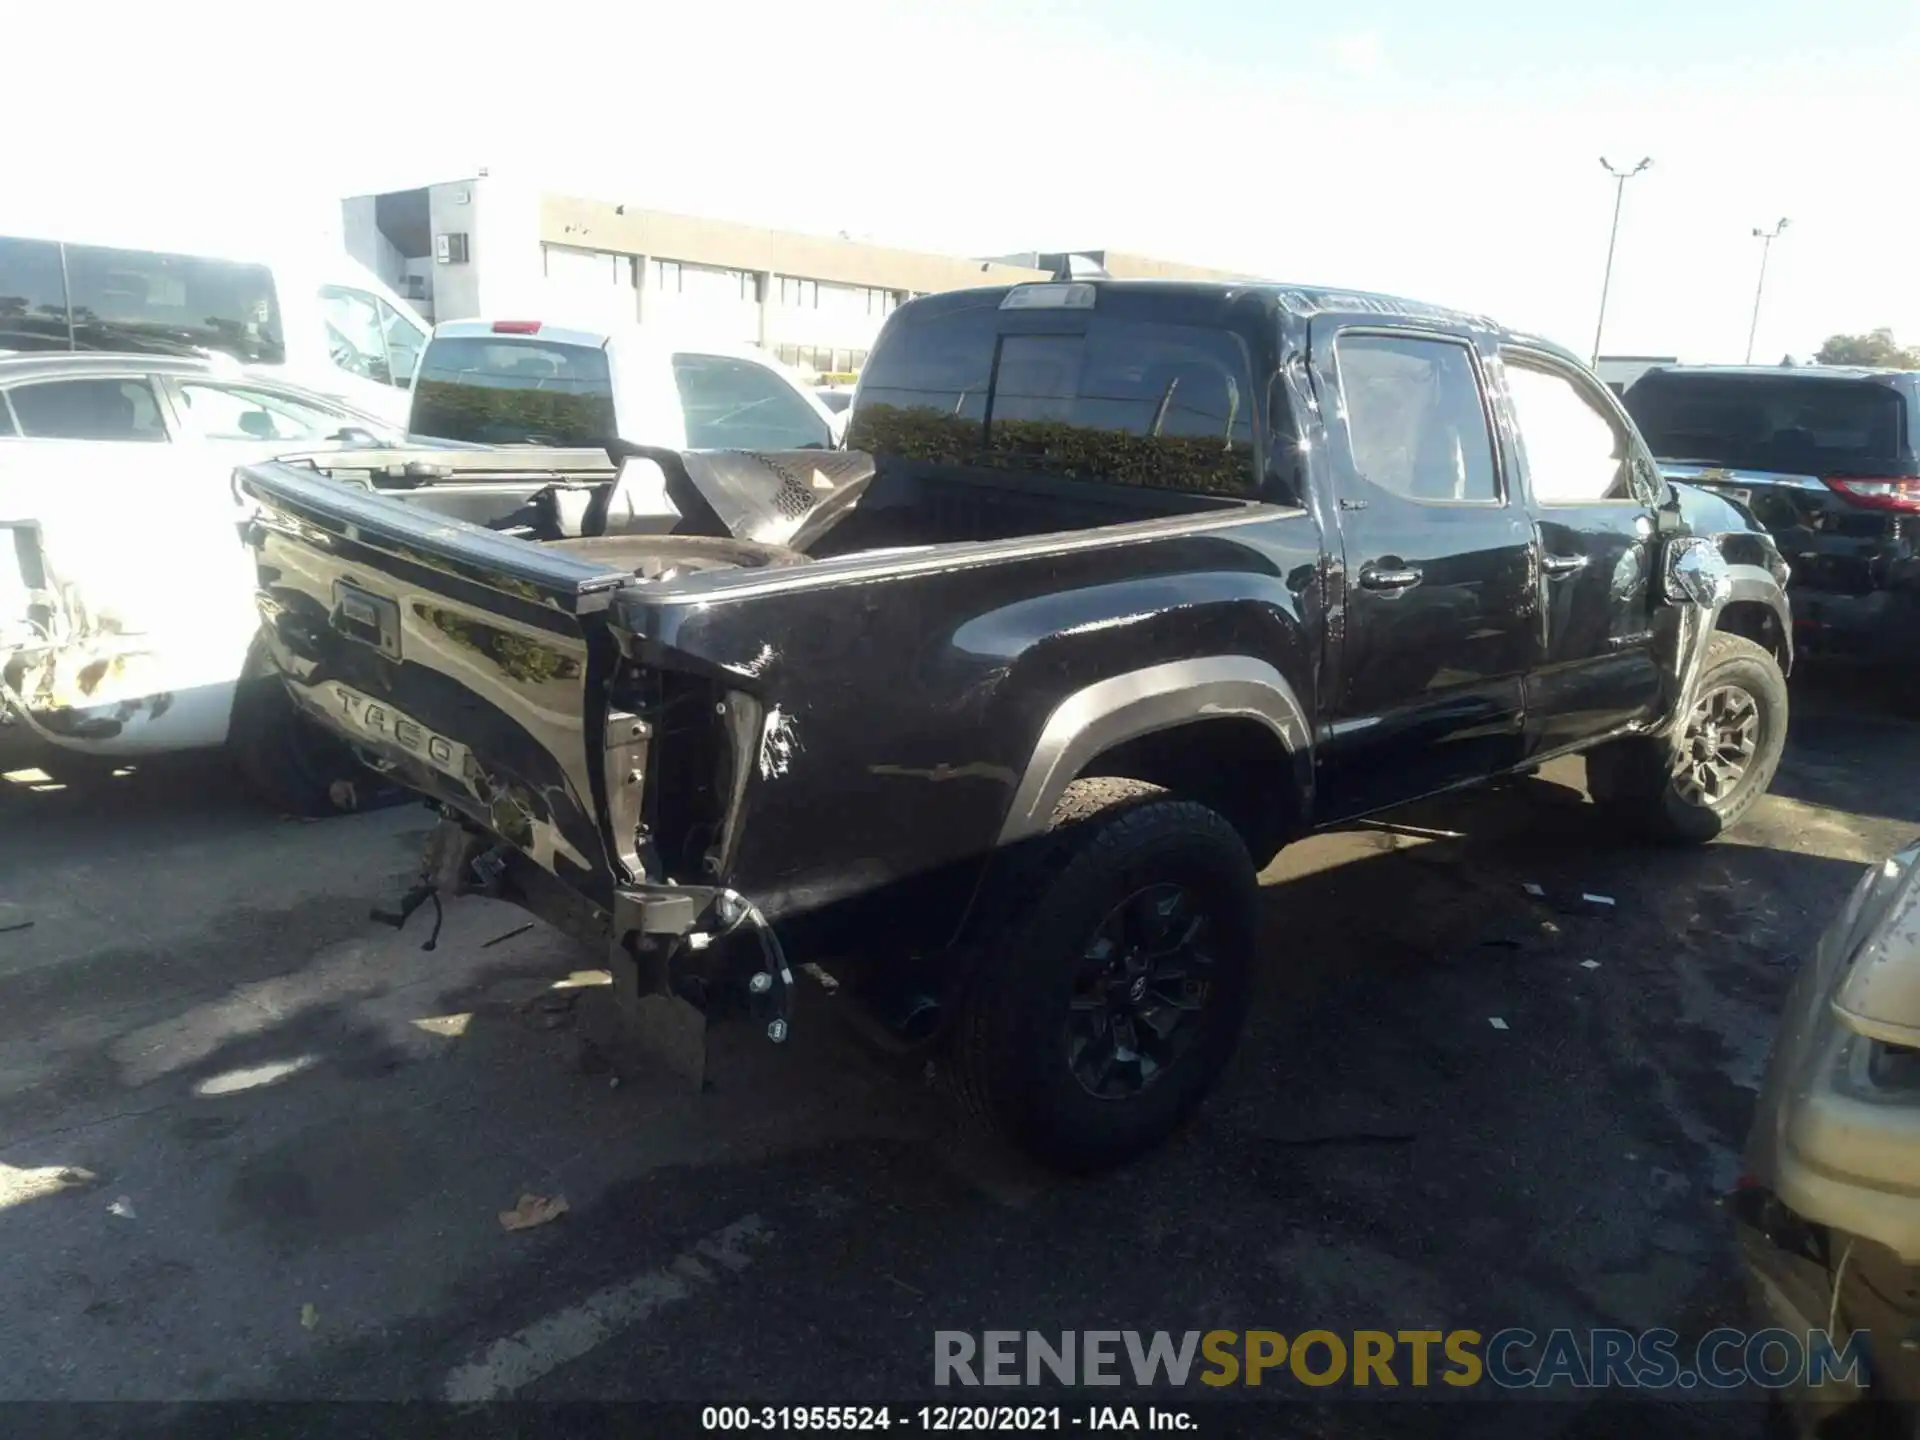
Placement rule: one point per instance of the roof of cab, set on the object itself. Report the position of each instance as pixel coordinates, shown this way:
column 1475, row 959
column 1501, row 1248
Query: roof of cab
column 656, row 336
column 1296, row 302
column 1876, row 374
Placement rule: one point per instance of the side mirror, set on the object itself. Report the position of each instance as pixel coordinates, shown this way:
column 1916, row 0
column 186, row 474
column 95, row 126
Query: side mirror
column 354, row 435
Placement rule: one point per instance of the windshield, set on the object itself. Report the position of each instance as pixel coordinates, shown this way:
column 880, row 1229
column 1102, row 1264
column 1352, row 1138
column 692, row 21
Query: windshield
column 1811, row 426
column 505, row 390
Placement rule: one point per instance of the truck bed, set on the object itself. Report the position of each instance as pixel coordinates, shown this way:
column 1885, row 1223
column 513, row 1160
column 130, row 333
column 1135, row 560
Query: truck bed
column 744, row 682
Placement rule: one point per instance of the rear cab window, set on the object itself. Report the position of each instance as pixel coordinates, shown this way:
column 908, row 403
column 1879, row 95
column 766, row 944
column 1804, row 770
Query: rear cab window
column 514, row 390
column 1785, row 424
column 1117, row 396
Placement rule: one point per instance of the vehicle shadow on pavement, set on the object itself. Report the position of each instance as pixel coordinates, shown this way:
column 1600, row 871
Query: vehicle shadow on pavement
column 338, row 1117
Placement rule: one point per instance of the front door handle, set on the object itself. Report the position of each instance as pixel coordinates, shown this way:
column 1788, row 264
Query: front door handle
column 1562, row 564
column 1374, row 578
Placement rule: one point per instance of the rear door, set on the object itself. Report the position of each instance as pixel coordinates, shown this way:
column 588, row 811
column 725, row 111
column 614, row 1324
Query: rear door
column 1590, row 492
column 1439, row 570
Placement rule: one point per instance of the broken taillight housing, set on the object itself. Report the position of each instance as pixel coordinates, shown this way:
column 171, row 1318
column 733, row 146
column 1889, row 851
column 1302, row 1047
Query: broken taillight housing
column 1894, row 492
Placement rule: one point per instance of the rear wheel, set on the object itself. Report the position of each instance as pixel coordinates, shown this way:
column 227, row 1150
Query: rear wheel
column 1111, row 985
column 287, row 760
column 1720, row 763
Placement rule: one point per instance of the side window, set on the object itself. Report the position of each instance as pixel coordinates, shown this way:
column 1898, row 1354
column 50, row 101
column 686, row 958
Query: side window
column 733, row 404
column 355, row 341
column 226, row 412
column 1575, row 453
column 33, row 296
column 1415, row 422
column 156, row 304
column 88, row 409
column 405, row 340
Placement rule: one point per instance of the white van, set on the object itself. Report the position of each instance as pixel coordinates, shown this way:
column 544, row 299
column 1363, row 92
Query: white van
column 524, row 382
column 314, row 315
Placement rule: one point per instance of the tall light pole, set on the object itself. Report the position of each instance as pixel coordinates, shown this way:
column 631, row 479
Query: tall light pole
column 1766, row 239
column 1620, row 178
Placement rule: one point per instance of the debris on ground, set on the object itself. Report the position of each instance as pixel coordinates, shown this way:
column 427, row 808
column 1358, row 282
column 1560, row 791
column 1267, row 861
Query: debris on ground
column 498, row 939
column 1589, row 964
column 1496, row 1022
column 533, row 1210
column 1534, row 890
column 16, row 925
column 309, row 1317
column 18, row 1185
column 1596, row 899
column 123, row 1207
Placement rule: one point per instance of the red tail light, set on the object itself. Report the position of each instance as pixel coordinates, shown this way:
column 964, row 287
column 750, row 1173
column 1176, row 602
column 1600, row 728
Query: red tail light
column 516, row 327
column 1898, row 492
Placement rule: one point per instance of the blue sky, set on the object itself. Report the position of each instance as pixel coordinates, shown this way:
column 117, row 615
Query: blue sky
column 1444, row 150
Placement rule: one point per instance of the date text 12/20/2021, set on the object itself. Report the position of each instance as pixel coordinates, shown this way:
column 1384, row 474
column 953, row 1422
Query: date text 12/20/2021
column 937, row 1419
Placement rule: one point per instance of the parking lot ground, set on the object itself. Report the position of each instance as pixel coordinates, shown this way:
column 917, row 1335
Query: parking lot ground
column 255, row 1145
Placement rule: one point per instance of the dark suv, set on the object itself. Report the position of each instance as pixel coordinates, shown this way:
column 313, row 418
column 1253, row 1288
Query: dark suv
column 1825, row 458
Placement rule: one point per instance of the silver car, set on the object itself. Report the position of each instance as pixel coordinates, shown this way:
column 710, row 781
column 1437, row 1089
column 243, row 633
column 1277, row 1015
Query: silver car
column 1829, row 1210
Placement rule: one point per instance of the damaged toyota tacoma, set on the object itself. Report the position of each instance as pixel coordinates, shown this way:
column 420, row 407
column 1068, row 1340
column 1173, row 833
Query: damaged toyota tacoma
column 993, row 718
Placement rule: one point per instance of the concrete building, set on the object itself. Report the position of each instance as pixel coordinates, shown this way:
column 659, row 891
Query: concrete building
column 487, row 245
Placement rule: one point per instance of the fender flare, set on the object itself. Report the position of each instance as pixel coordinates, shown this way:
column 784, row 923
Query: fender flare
column 1140, row 702
column 1750, row 583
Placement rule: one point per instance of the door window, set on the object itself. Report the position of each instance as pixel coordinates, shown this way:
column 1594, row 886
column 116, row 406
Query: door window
column 355, row 341
column 229, row 412
column 733, row 404
column 89, row 409
column 1576, row 454
column 33, row 296
column 405, row 340
column 1415, row 422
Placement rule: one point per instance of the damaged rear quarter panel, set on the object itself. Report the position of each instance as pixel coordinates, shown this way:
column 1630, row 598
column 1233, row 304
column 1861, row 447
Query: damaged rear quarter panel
column 898, row 713
column 145, row 610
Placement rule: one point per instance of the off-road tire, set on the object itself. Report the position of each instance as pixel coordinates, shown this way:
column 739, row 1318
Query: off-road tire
column 1634, row 781
column 288, row 761
column 1006, row 1057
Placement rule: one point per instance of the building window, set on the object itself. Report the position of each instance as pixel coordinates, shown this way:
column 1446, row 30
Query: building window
column 666, row 276
column 798, row 294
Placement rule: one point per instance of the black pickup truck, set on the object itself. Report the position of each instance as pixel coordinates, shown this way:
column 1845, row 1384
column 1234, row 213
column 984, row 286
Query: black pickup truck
column 996, row 716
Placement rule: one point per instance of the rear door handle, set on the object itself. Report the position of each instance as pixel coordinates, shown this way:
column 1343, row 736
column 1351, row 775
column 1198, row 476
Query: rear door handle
column 1562, row 564
column 1374, row 578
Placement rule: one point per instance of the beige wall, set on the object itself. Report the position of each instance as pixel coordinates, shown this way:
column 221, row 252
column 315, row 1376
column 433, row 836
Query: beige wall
column 599, row 225
column 1144, row 267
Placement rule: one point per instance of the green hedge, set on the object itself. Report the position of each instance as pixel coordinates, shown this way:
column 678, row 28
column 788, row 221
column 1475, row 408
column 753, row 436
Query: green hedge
column 1166, row 462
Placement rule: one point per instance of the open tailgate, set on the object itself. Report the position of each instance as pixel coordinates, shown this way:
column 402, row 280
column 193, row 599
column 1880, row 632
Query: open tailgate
column 458, row 657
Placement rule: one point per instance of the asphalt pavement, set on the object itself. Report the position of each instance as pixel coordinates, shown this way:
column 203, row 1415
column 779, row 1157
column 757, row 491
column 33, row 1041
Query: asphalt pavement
column 254, row 1145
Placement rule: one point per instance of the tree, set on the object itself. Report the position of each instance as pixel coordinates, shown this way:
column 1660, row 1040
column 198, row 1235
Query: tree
column 1878, row 348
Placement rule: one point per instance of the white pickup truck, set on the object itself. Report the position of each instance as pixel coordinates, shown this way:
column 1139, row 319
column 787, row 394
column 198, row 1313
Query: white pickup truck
column 127, row 627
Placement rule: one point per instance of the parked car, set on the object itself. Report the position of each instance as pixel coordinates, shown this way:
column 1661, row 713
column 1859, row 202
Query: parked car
column 126, row 612
column 1828, row 1213
column 311, row 316
column 523, row 382
column 1828, row 459
column 997, row 716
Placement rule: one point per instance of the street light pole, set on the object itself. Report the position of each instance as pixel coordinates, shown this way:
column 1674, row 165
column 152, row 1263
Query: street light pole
column 1766, row 239
column 1620, row 178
